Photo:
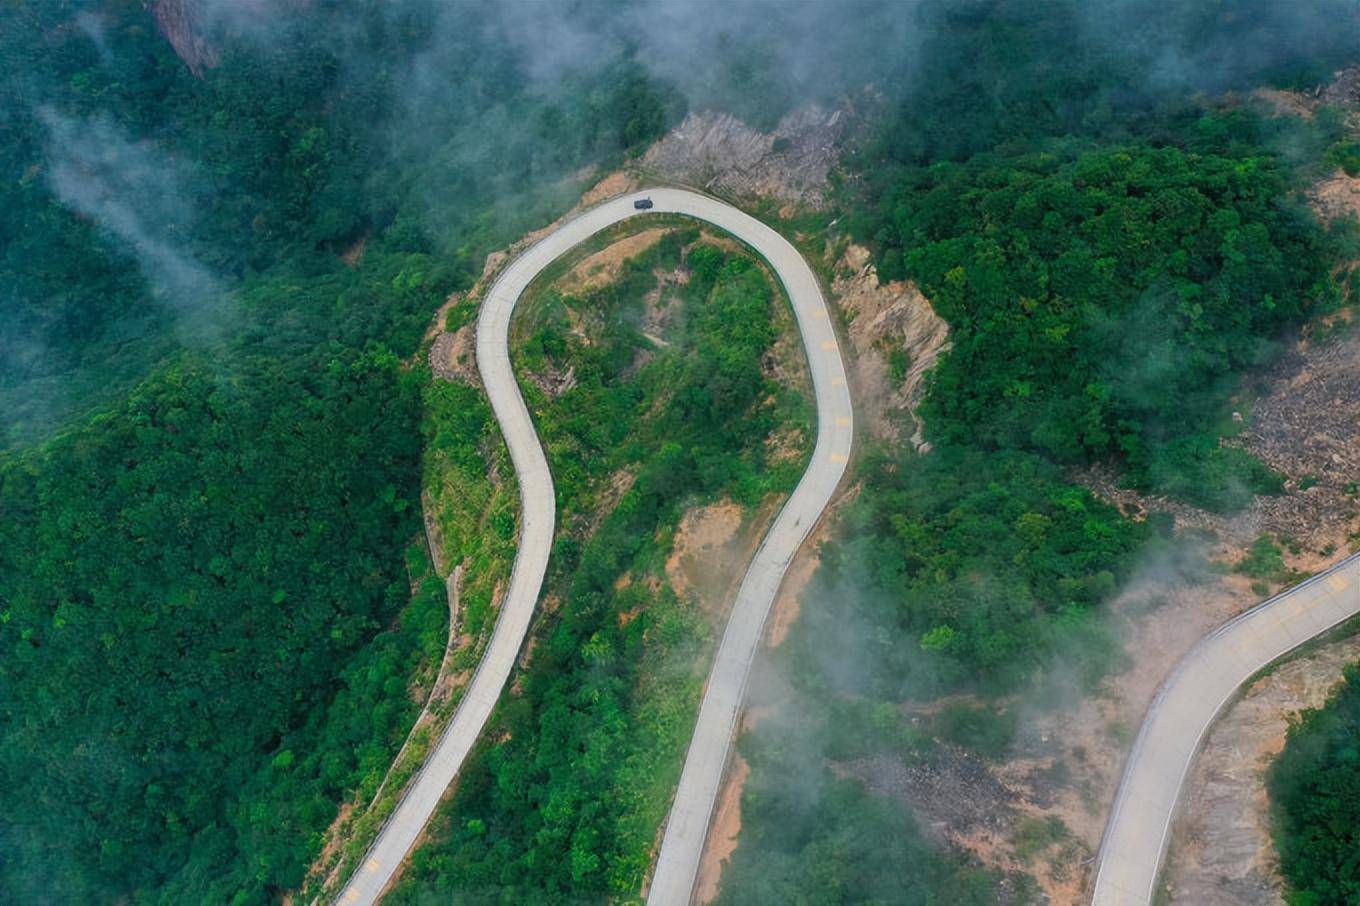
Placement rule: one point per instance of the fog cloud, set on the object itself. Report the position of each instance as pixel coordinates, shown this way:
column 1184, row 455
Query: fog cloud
column 137, row 195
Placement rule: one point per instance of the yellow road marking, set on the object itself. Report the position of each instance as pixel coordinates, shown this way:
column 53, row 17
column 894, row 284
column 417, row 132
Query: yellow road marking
column 1338, row 582
column 838, row 382
column 838, row 457
column 351, row 896
column 843, row 422
column 828, row 344
column 372, row 865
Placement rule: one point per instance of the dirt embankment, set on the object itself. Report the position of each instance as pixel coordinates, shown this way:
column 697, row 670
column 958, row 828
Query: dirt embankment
column 896, row 337
column 1221, row 852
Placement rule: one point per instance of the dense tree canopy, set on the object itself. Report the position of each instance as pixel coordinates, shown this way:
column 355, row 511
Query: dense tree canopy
column 207, row 624
column 1315, row 791
column 1104, row 300
column 136, row 195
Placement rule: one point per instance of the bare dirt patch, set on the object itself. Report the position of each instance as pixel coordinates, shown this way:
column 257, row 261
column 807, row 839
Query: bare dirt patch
column 453, row 355
column 886, row 322
column 1337, row 197
column 355, row 253
column 1286, row 103
column 603, row 267
column 704, row 553
column 1222, row 853
column 723, row 835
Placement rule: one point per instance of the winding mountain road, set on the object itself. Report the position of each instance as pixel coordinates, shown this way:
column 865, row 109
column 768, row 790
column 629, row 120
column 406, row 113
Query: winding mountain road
column 687, row 826
column 1137, row 834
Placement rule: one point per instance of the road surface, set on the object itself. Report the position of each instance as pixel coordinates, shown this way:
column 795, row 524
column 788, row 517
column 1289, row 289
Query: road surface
column 690, row 815
column 1189, row 700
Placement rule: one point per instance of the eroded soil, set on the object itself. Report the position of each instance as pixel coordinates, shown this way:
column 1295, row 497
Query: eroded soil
column 1221, row 852
column 896, row 337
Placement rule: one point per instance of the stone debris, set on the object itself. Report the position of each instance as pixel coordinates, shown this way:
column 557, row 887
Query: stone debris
column 883, row 318
column 718, row 152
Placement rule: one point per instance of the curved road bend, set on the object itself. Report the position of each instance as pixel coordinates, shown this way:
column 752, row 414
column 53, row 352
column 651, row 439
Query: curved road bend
column 1187, row 703
column 688, row 823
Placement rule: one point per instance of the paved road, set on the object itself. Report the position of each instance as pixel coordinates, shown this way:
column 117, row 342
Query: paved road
column 707, row 757
column 1205, row 679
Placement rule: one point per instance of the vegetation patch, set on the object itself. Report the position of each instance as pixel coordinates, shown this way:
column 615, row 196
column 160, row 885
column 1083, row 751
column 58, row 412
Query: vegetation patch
column 1314, row 787
column 564, row 796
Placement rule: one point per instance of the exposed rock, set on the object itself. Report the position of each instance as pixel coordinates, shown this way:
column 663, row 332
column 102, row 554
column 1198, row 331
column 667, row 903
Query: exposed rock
column 950, row 791
column 883, row 318
column 181, row 22
column 193, row 28
column 453, row 355
column 958, row 801
column 719, row 152
column 1344, row 90
column 553, row 381
column 1307, row 427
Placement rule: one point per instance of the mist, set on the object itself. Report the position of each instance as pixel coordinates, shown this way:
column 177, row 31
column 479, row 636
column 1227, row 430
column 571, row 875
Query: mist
column 137, row 195
column 326, row 173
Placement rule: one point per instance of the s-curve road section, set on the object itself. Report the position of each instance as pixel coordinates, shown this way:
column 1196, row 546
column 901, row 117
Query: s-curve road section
column 707, row 757
column 1187, row 703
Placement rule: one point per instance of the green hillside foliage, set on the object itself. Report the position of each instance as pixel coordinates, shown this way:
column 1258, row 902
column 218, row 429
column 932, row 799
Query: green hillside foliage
column 188, row 582
column 1104, row 300
column 963, row 568
column 208, row 626
column 563, row 798
column 136, row 196
column 1314, row 787
column 1112, row 251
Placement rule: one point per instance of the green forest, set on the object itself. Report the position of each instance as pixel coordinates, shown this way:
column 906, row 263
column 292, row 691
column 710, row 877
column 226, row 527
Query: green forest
column 215, row 424
column 563, row 797
column 1315, row 794
column 1110, row 262
column 215, row 447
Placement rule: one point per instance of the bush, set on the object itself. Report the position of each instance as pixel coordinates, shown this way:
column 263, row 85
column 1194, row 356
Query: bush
column 1314, row 787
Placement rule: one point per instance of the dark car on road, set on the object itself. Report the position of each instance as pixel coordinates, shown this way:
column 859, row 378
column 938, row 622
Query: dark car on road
column 643, row 204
